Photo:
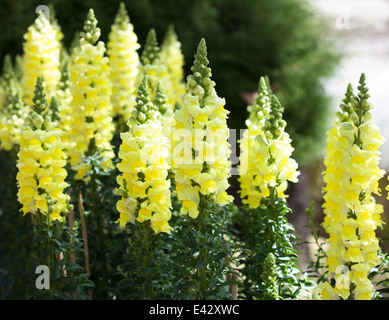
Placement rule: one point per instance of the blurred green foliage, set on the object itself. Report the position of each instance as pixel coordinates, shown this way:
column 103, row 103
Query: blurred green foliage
column 284, row 40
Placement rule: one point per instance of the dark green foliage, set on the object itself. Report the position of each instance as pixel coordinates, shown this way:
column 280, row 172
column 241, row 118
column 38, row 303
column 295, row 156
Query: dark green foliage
column 193, row 262
column 15, row 233
column 53, row 245
column 316, row 268
column 265, row 231
column 146, row 268
column 106, row 242
column 205, row 258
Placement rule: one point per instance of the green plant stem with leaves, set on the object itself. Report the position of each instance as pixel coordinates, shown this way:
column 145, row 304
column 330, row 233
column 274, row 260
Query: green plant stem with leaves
column 96, row 201
column 204, row 257
column 266, row 231
column 53, row 245
column 146, row 269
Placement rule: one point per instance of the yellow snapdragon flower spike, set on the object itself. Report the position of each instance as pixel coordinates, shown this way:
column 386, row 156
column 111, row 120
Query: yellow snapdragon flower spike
column 144, row 186
column 92, row 125
column 41, row 58
column 174, row 60
column 41, row 161
column 351, row 213
column 124, row 62
column 265, row 159
column 200, row 150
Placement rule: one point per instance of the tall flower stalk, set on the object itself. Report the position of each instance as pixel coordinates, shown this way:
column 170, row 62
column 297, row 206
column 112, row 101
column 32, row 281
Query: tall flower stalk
column 145, row 201
column 351, row 212
column 201, row 167
column 200, row 155
column 124, row 62
column 92, row 126
column 41, row 162
column 265, row 169
column 41, row 182
column 144, row 186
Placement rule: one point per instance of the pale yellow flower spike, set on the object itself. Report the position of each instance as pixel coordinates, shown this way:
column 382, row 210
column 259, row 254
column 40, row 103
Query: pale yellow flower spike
column 41, row 58
column 351, row 213
column 265, row 159
column 124, row 62
column 144, row 185
column 200, row 149
column 41, row 161
column 92, row 126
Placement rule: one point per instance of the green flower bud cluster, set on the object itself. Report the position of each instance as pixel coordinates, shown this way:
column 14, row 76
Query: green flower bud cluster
column 347, row 105
column 261, row 108
column 64, row 82
column 144, row 108
column 151, row 51
column 91, row 31
column 38, row 116
column 14, row 100
column 200, row 83
column 122, row 18
column 269, row 278
column 54, row 109
column 160, row 99
column 274, row 124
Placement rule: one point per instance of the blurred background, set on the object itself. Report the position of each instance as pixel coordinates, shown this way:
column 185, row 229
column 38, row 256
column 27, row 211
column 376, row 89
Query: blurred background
column 310, row 50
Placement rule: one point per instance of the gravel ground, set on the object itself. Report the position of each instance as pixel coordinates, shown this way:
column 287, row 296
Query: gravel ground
column 364, row 28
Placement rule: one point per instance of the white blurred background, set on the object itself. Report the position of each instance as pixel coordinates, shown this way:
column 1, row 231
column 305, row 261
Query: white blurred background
column 363, row 26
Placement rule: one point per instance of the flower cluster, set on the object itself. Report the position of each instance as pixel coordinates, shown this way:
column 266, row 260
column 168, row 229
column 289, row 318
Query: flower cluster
column 41, row 176
column 124, row 62
column 144, row 187
column 351, row 213
column 265, row 160
column 200, row 150
column 92, row 126
column 41, row 58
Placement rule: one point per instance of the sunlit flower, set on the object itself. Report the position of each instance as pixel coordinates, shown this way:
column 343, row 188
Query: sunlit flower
column 200, row 150
column 265, row 159
column 144, row 186
column 92, row 124
column 41, row 58
column 41, row 173
column 351, row 178
column 124, row 62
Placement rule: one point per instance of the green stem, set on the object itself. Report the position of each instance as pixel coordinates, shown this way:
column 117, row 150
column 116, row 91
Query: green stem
column 202, row 252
